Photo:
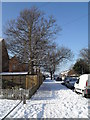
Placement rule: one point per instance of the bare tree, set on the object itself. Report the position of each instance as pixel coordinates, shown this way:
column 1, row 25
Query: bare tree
column 30, row 35
column 85, row 55
column 55, row 57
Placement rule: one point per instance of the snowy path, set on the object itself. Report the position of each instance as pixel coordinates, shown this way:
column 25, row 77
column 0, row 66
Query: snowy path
column 53, row 100
column 6, row 106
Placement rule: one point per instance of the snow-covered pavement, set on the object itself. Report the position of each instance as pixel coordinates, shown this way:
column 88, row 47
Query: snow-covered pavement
column 6, row 106
column 53, row 100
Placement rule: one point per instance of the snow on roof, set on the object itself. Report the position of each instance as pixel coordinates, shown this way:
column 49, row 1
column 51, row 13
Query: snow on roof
column 65, row 72
column 14, row 73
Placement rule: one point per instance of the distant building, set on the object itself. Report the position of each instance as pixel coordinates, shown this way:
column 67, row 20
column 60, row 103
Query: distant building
column 68, row 73
column 64, row 74
column 4, row 57
column 72, row 73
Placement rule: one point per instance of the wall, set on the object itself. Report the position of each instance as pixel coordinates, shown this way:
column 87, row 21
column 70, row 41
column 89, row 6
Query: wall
column 23, row 81
column 5, row 58
column 16, row 66
column 33, row 80
column 30, row 83
column 14, row 80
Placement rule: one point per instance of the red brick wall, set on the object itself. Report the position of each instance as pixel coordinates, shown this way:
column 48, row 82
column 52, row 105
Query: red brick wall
column 16, row 66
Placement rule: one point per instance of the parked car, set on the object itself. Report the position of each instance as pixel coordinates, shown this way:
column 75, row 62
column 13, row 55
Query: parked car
column 55, row 77
column 83, row 85
column 46, row 76
column 58, row 79
column 66, row 81
column 71, row 82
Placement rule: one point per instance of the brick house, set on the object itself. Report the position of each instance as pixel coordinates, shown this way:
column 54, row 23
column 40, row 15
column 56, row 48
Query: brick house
column 10, row 65
column 4, row 57
column 16, row 66
column 24, row 67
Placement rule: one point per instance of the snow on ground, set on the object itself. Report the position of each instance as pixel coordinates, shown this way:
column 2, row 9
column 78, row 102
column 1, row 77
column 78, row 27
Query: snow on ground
column 6, row 106
column 53, row 100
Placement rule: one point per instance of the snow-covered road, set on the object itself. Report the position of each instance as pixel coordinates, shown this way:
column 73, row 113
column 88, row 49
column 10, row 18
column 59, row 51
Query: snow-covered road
column 53, row 100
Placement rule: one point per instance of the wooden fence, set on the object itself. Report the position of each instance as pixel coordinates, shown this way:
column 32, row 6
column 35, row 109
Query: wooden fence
column 20, row 86
column 16, row 94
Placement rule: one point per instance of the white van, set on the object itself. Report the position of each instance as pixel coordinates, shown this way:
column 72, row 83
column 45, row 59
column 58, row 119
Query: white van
column 83, row 85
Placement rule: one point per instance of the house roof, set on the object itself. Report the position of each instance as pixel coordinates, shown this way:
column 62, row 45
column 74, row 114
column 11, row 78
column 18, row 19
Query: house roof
column 65, row 72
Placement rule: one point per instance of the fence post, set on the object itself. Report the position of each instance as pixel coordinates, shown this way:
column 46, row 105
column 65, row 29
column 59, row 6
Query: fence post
column 21, row 94
column 24, row 99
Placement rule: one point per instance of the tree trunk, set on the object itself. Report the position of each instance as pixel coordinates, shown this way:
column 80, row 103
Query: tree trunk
column 31, row 70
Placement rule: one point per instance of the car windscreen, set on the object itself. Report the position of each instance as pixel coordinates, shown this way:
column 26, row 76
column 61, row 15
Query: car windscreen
column 73, row 80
